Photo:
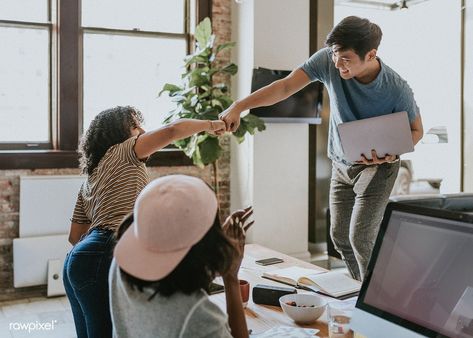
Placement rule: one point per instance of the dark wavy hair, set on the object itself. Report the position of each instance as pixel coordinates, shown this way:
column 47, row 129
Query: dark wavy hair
column 355, row 33
column 110, row 127
column 210, row 257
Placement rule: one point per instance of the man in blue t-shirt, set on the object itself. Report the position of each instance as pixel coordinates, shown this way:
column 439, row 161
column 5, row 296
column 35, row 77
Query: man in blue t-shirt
column 360, row 86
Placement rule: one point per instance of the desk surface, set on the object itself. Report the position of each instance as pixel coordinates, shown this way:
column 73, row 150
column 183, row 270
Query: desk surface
column 261, row 317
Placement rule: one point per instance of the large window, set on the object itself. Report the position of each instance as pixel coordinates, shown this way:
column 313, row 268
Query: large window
column 63, row 62
column 130, row 52
column 25, row 74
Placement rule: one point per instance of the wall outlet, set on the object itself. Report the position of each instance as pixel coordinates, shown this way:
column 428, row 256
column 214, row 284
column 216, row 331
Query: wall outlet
column 55, row 284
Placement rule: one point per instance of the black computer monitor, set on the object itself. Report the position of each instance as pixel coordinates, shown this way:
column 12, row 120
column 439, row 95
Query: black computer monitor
column 302, row 107
column 419, row 280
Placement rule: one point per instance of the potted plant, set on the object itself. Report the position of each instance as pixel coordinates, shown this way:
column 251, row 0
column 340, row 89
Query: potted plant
column 199, row 96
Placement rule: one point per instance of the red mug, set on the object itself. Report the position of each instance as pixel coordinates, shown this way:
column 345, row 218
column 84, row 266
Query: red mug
column 245, row 292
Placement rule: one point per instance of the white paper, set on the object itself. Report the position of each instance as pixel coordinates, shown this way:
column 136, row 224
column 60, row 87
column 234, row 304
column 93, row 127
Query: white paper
column 287, row 332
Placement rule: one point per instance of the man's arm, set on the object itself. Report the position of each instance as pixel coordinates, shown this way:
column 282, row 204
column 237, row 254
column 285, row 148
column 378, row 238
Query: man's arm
column 266, row 96
column 417, row 130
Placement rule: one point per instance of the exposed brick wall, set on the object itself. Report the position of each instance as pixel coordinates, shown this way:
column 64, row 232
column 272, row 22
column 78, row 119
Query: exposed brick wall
column 221, row 25
column 10, row 181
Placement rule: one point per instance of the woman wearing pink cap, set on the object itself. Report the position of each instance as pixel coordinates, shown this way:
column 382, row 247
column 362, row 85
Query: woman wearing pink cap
column 112, row 155
column 165, row 261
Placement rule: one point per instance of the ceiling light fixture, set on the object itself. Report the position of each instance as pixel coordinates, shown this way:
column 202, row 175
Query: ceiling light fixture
column 403, row 5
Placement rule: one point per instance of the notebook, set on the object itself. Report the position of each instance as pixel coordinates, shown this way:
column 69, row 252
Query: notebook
column 332, row 283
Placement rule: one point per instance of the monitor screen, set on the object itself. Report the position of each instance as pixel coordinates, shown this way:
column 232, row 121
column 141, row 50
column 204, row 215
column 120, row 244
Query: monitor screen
column 301, row 107
column 422, row 275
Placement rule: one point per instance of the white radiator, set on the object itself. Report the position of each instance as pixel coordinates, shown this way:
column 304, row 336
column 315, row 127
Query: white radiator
column 31, row 256
column 46, row 205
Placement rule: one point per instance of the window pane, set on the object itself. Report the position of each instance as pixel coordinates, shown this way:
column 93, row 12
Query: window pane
column 24, row 10
column 124, row 70
column 148, row 15
column 24, row 85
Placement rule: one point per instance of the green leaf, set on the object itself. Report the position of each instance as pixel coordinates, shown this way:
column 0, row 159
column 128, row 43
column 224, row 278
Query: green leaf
column 239, row 139
column 210, row 150
column 231, row 69
column 197, row 160
column 171, row 88
column 254, row 121
column 194, row 100
column 168, row 119
column 248, row 124
column 210, row 44
column 191, row 146
column 216, row 103
column 204, row 95
column 197, row 59
column 203, row 32
column 182, row 144
column 225, row 100
column 198, row 78
column 209, row 111
column 222, row 86
column 224, row 46
column 178, row 98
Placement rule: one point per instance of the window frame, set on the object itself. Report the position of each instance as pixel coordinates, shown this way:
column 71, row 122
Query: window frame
column 66, row 93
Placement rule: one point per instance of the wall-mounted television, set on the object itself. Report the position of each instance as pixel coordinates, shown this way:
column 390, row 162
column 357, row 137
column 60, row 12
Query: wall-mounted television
column 302, row 107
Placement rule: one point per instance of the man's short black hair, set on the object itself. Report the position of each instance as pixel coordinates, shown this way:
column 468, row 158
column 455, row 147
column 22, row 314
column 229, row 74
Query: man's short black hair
column 211, row 256
column 355, row 33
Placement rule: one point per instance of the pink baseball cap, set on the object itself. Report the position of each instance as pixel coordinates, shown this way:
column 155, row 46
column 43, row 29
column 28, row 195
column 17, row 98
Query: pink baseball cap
column 171, row 214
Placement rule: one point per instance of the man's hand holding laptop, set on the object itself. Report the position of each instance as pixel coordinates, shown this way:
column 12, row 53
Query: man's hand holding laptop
column 377, row 160
column 377, row 140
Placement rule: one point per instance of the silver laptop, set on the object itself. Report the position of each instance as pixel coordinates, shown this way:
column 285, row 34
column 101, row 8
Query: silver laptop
column 387, row 134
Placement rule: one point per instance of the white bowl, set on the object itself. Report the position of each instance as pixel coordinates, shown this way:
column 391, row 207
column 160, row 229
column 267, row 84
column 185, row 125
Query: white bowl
column 309, row 307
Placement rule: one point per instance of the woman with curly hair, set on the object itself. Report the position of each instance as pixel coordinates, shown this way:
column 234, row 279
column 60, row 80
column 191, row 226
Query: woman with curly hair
column 112, row 155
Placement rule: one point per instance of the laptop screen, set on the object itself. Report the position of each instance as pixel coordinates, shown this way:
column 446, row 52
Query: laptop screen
column 423, row 274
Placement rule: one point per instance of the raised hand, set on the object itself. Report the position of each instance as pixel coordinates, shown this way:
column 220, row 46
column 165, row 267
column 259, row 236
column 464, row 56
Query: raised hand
column 231, row 117
column 217, row 127
column 235, row 227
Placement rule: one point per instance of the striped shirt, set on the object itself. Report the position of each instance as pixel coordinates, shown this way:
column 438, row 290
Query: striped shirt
column 110, row 191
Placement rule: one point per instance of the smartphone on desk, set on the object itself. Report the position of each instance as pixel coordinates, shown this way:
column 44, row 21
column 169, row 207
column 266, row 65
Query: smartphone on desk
column 269, row 261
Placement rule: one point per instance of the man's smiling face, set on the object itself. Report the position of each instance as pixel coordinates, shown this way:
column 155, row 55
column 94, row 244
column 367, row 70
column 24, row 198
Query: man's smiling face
column 349, row 64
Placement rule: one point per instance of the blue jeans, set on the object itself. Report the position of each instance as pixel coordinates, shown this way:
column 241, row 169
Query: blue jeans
column 85, row 279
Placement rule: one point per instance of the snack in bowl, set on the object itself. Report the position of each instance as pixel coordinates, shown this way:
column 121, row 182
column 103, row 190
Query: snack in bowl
column 303, row 308
column 293, row 303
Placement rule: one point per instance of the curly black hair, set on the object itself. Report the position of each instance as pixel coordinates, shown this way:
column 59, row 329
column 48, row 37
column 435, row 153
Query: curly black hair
column 212, row 255
column 110, row 127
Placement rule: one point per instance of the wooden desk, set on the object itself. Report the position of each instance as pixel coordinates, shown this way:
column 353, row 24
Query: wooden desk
column 261, row 317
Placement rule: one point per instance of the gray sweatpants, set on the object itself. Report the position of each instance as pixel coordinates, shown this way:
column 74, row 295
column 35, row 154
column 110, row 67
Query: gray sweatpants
column 358, row 197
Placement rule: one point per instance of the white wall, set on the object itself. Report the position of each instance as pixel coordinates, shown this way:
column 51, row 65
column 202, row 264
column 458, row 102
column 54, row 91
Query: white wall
column 422, row 44
column 241, row 172
column 281, row 36
column 468, row 98
column 270, row 170
column 281, row 189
